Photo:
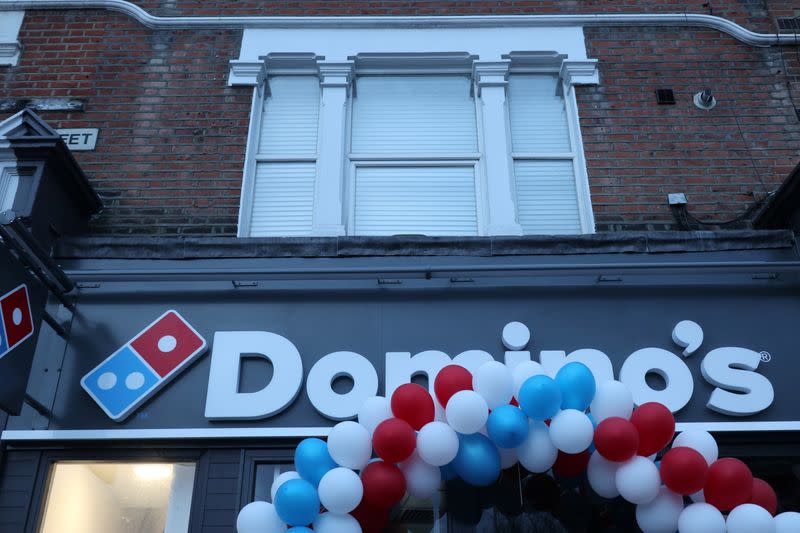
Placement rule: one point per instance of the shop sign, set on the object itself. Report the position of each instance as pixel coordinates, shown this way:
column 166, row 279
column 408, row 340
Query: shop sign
column 21, row 305
column 158, row 353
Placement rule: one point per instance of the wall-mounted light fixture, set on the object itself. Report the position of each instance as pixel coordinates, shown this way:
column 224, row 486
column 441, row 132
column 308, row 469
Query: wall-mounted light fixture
column 705, row 100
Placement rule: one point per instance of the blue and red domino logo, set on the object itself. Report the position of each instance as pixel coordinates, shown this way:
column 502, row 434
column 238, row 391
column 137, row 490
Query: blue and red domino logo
column 150, row 360
column 16, row 322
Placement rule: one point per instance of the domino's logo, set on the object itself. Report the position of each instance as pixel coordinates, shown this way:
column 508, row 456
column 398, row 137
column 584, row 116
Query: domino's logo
column 16, row 321
column 150, row 360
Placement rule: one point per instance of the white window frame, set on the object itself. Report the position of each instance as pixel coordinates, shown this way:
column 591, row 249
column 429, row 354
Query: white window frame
column 339, row 55
column 523, row 64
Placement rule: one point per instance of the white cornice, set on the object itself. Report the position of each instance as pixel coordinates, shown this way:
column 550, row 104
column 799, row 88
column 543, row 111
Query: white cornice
column 696, row 20
column 580, row 72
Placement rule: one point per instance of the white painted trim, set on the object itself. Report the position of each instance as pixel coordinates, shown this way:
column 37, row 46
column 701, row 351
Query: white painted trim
column 10, row 49
column 579, row 161
column 580, row 72
column 694, row 20
column 250, row 160
column 260, row 433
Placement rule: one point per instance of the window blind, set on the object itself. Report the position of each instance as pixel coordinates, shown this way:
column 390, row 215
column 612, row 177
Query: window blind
column 405, row 115
column 547, row 201
column 415, row 200
column 415, row 119
column 283, row 192
column 547, row 198
column 538, row 118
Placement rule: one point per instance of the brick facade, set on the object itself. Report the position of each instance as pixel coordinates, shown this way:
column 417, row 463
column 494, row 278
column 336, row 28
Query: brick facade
column 172, row 133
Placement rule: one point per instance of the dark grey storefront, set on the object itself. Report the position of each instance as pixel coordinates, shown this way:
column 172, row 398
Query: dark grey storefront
column 613, row 293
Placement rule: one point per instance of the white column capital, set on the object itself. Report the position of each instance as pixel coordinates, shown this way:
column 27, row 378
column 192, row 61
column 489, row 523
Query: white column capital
column 490, row 73
column 579, row 72
column 335, row 74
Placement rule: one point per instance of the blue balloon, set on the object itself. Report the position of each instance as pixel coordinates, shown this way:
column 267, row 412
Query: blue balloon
column 301, row 529
column 508, row 426
column 477, row 461
column 297, row 502
column 577, row 386
column 448, row 471
column 312, row 460
column 540, row 397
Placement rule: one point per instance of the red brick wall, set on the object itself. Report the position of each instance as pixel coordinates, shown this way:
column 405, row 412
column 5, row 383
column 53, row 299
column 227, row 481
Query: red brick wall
column 172, row 133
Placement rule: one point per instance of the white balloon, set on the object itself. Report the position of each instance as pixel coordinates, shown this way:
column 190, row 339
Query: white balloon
column 280, row 480
column 523, row 371
column 467, row 412
column 571, row 431
column 537, row 454
column 638, row 480
column 340, row 490
column 259, row 517
column 612, row 398
column 698, row 440
column 493, row 381
column 749, row 518
column 350, row 445
column 788, row 522
column 701, row 518
column 437, row 443
column 602, row 476
column 422, row 479
column 508, row 457
column 698, row 497
column 660, row 515
column 336, row 523
column 374, row 411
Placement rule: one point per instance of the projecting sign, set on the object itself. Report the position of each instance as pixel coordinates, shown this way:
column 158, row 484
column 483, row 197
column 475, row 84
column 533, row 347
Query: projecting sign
column 22, row 302
column 79, row 139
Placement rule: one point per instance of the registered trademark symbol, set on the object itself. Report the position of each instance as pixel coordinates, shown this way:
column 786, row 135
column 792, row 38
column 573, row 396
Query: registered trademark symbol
column 765, row 357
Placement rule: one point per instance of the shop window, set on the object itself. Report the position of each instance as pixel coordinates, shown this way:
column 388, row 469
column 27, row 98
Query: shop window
column 101, row 497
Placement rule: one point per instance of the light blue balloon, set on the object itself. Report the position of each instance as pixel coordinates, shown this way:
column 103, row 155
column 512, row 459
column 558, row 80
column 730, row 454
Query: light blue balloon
column 540, row 397
column 577, row 386
column 301, row 529
column 507, row 426
column 477, row 461
column 297, row 502
column 312, row 460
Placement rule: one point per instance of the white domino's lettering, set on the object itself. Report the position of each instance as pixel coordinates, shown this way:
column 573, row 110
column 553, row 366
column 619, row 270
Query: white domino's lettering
column 16, row 320
column 143, row 365
column 740, row 390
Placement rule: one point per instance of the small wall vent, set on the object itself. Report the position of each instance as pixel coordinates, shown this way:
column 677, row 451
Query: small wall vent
column 665, row 97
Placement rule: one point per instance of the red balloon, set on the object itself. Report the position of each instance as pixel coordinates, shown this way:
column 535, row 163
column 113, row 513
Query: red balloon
column 764, row 496
column 384, row 485
column 616, row 439
column 656, row 427
column 450, row 380
column 514, row 402
column 571, row 464
column 372, row 519
column 684, row 470
column 413, row 404
column 394, row 440
column 729, row 483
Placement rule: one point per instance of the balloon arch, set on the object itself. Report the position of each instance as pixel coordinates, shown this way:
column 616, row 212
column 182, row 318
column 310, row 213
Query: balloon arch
column 497, row 417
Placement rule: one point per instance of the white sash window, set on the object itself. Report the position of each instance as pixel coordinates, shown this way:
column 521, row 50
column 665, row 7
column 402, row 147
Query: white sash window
column 414, row 150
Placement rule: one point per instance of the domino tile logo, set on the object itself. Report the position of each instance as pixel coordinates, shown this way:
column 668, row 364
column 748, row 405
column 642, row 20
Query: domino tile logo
column 146, row 363
column 16, row 321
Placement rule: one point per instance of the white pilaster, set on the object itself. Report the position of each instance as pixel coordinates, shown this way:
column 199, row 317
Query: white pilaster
column 492, row 80
column 335, row 81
